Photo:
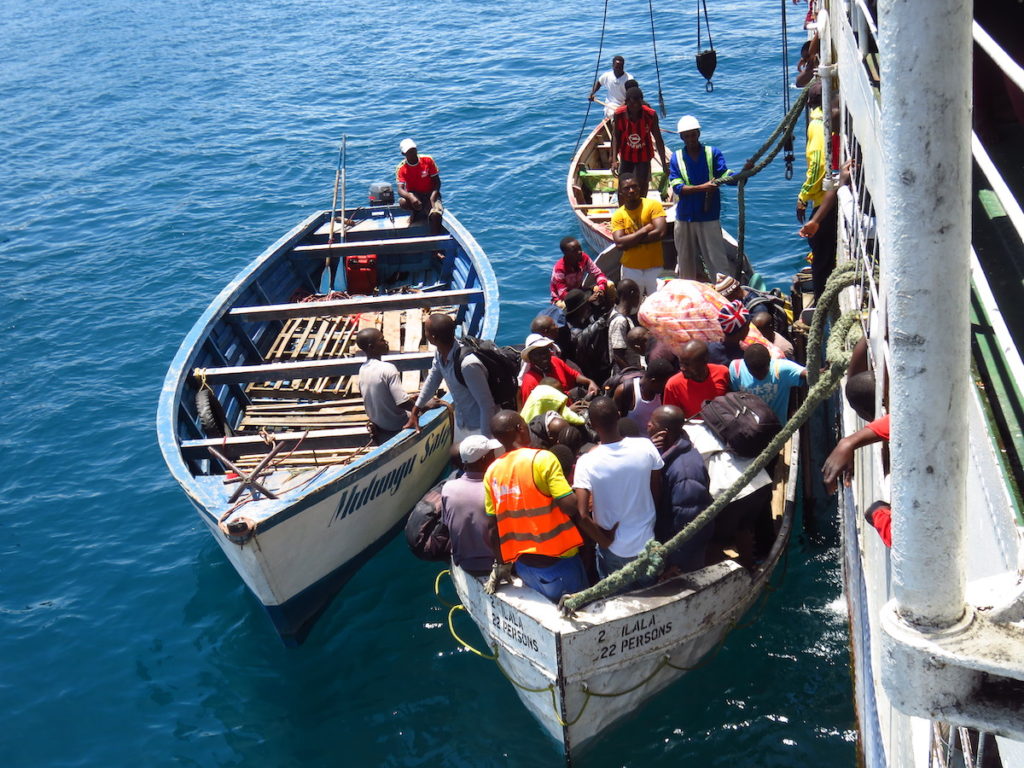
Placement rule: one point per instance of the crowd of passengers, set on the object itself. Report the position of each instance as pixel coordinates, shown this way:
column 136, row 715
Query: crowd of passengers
column 605, row 449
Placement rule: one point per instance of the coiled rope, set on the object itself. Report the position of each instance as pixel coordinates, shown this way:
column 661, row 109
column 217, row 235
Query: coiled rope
column 651, row 561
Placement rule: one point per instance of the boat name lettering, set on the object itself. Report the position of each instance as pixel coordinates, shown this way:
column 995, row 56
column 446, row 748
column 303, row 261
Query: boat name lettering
column 359, row 495
column 637, row 626
column 442, row 437
column 512, row 626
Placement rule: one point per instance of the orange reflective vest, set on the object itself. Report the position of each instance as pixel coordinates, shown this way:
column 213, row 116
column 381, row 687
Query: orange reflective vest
column 528, row 522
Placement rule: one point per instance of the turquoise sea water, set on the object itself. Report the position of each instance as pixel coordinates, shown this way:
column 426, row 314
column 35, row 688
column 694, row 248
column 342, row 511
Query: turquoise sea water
column 150, row 151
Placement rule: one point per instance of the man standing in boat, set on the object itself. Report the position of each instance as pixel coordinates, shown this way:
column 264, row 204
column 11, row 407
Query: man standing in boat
column 419, row 185
column 474, row 404
column 637, row 229
column 695, row 172
column 614, row 81
column 635, row 136
column 534, row 513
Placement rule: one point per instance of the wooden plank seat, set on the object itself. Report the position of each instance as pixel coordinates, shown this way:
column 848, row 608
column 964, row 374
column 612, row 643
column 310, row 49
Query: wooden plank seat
column 391, row 245
column 305, row 369
column 340, row 307
column 244, row 445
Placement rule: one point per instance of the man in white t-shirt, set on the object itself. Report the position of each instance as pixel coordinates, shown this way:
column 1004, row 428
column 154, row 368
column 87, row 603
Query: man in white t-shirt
column 386, row 402
column 614, row 81
column 616, row 484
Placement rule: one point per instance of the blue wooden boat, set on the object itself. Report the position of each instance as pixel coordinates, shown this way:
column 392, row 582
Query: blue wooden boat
column 260, row 419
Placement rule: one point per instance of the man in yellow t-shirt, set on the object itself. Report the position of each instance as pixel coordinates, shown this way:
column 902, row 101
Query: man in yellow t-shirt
column 638, row 227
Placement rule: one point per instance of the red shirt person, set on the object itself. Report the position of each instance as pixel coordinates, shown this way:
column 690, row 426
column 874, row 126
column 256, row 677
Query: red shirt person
column 635, row 136
column 540, row 363
column 419, row 185
column 698, row 380
column 572, row 269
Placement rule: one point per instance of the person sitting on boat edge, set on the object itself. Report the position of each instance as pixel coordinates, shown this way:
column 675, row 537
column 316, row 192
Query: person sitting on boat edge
column 638, row 397
column 697, row 382
column 616, row 483
column 419, row 185
column 474, row 403
column 638, row 226
column 695, row 174
column 634, row 125
column 684, row 487
column 734, row 319
column 614, row 81
column 541, row 363
column 771, row 380
column 463, row 510
column 620, row 322
column 386, row 402
column 572, row 269
column 535, row 523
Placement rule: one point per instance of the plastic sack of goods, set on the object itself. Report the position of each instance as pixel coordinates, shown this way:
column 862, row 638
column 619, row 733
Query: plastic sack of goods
column 684, row 310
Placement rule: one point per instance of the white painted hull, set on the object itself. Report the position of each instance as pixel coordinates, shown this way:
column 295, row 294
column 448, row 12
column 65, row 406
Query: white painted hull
column 301, row 554
column 633, row 645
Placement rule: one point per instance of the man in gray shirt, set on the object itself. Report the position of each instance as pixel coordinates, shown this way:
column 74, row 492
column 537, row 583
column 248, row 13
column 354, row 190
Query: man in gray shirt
column 386, row 402
column 474, row 404
column 462, row 507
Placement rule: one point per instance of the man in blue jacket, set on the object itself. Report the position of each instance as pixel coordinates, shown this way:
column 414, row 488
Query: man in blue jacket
column 684, row 487
column 696, row 172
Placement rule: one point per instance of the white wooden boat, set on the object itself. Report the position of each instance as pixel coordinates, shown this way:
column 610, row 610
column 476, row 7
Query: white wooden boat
column 592, row 191
column 267, row 362
column 634, row 645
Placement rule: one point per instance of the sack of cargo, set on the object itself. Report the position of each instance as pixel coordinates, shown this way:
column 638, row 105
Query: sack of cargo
column 743, row 421
column 684, row 310
column 426, row 535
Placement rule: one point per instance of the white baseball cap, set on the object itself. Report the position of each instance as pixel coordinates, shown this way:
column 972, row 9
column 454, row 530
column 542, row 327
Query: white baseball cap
column 475, row 447
column 406, row 145
column 687, row 123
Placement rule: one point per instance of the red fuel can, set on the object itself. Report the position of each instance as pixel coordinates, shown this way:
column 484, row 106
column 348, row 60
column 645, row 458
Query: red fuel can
column 361, row 273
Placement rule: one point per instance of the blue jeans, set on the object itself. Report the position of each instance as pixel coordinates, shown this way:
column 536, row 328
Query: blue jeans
column 565, row 576
column 608, row 562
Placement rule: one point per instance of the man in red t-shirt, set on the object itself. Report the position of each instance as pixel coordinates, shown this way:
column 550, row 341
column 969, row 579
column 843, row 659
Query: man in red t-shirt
column 419, row 186
column 698, row 380
column 839, row 465
column 541, row 363
column 635, row 137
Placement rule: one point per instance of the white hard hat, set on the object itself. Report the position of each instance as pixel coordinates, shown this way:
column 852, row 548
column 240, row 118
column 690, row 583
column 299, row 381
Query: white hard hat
column 406, row 145
column 687, row 123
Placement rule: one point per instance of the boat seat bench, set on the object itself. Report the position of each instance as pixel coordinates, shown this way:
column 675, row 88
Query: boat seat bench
column 392, row 245
column 308, row 369
column 357, row 306
column 322, row 439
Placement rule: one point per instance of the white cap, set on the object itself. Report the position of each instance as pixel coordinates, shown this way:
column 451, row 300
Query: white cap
column 406, row 145
column 687, row 123
column 475, row 447
column 535, row 341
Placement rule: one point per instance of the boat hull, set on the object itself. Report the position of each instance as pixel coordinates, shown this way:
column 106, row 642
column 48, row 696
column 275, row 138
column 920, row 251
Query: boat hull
column 580, row 676
column 297, row 562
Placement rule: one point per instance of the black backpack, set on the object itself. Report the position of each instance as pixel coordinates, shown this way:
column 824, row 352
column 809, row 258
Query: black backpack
column 743, row 421
column 426, row 535
column 502, row 364
column 591, row 345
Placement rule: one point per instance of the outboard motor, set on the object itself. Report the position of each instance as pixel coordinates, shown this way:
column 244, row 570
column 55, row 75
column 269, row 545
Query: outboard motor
column 381, row 193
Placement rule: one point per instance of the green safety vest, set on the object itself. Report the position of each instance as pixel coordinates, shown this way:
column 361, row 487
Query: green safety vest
column 681, row 162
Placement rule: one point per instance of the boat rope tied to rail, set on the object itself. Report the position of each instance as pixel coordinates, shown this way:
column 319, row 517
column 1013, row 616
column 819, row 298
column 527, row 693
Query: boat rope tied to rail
column 773, row 144
column 650, row 562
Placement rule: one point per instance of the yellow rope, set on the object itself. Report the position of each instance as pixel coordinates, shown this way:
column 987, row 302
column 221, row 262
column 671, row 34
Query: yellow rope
column 463, row 643
column 437, row 589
